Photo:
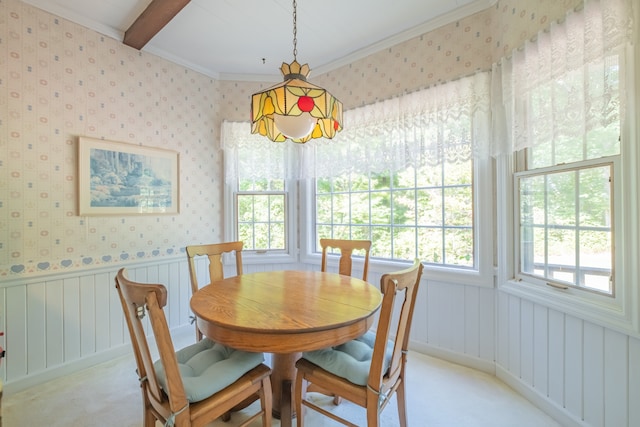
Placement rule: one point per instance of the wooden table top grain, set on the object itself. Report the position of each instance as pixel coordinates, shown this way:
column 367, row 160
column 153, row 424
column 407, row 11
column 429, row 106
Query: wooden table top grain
column 285, row 311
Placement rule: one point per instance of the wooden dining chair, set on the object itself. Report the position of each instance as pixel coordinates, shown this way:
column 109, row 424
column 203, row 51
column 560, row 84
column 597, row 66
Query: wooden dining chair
column 214, row 252
column 370, row 369
column 193, row 386
column 345, row 267
column 346, row 248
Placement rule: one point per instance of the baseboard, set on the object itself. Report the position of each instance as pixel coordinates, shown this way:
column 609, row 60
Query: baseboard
column 487, row 366
column 181, row 336
column 542, row 402
column 59, row 371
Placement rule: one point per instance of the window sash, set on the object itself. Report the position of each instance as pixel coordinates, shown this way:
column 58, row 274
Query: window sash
column 553, row 247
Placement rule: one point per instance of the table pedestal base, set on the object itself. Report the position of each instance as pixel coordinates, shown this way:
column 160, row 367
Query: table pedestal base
column 282, row 382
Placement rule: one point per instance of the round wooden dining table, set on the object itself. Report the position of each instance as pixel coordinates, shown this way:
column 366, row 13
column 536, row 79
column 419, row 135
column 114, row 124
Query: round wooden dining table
column 285, row 313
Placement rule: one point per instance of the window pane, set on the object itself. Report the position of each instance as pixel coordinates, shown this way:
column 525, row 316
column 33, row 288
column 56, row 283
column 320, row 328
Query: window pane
column 430, row 211
column 381, row 242
column 458, row 245
column 404, row 243
column 561, row 205
column 323, row 208
column 565, row 226
column 361, row 233
column 261, row 220
column 430, row 245
column 459, row 203
column 404, row 212
column 341, row 208
column 360, row 208
column 381, row 208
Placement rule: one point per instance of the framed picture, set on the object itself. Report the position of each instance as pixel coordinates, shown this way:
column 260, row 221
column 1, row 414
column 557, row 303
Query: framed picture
column 125, row 179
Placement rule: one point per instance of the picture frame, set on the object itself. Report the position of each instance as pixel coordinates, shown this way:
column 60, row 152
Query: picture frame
column 116, row 178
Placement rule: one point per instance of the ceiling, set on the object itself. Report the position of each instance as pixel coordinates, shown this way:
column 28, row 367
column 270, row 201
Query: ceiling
column 249, row 39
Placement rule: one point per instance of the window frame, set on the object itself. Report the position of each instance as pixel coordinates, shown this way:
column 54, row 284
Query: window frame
column 620, row 312
column 252, row 256
column 613, row 163
column 481, row 275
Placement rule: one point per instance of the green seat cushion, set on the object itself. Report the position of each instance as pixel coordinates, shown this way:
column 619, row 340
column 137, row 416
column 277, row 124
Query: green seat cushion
column 207, row 367
column 351, row 360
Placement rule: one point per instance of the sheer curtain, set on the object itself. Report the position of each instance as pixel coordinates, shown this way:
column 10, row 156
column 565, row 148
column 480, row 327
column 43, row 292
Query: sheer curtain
column 574, row 68
column 449, row 122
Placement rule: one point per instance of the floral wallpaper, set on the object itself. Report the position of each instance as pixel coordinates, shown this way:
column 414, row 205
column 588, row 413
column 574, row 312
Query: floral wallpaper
column 59, row 81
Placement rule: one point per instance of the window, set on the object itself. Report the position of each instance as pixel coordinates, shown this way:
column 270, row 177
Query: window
column 260, row 205
column 569, row 177
column 565, row 190
column 423, row 212
column 566, row 225
column 260, row 221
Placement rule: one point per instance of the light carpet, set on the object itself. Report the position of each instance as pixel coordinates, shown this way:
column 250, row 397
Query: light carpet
column 440, row 394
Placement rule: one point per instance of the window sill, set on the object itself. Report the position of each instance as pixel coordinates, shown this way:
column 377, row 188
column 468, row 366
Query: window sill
column 599, row 309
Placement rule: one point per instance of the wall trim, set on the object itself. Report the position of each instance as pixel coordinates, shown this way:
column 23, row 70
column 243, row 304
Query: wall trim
column 453, row 357
column 65, row 369
column 178, row 335
column 556, row 412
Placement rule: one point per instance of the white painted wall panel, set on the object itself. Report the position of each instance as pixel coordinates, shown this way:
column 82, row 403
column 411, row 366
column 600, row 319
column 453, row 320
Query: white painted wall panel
column 593, row 374
column 502, row 355
column 34, row 330
column 54, row 324
column 486, row 324
column 526, row 342
column 573, row 365
column 471, row 320
column 103, row 303
column 419, row 327
column 556, row 357
column 541, row 350
column 117, row 327
column 455, row 297
column 87, row 315
column 71, row 318
column 17, row 333
column 634, row 382
column 514, row 336
column 616, row 379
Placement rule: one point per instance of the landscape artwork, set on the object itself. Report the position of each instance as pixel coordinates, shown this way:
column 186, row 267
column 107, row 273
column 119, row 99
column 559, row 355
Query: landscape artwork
column 121, row 179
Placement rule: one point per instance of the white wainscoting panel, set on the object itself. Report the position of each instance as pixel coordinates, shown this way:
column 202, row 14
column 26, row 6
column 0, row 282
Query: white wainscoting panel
column 581, row 373
column 58, row 323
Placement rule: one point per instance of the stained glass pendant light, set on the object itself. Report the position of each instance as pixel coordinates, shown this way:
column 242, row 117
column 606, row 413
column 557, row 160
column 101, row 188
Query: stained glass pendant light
column 295, row 109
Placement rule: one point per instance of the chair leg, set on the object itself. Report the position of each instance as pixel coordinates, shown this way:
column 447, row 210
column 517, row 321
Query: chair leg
column 149, row 418
column 373, row 414
column 402, row 404
column 299, row 394
column 266, row 402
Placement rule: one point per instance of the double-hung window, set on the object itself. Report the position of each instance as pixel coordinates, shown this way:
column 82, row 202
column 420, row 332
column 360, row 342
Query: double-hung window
column 566, row 108
column 260, row 197
column 423, row 211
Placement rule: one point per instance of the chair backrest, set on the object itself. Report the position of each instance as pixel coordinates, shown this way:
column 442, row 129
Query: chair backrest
column 346, row 248
column 214, row 252
column 398, row 288
column 139, row 300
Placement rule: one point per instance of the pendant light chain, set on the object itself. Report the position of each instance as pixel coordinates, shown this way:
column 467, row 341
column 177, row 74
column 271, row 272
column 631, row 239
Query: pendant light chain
column 295, row 30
